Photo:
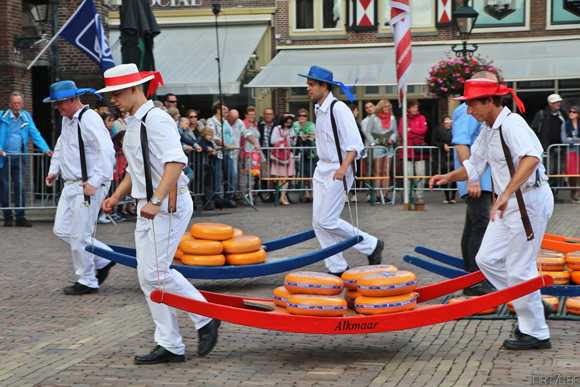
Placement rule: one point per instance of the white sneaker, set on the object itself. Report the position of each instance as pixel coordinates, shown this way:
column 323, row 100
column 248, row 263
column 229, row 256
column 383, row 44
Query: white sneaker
column 353, row 199
column 103, row 219
column 368, row 198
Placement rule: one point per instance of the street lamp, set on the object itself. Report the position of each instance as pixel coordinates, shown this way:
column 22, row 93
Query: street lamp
column 464, row 18
column 33, row 8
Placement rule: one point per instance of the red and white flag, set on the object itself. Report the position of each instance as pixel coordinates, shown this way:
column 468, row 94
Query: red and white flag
column 401, row 27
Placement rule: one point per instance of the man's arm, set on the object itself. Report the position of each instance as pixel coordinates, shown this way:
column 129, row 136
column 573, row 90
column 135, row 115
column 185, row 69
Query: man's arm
column 122, row 190
column 463, row 153
column 340, row 172
column 171, row 174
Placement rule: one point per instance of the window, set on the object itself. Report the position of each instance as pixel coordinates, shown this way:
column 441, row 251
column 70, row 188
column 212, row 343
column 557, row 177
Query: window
column 422, row 13
column 501, row 15
column 317, row 15
column 563, row 14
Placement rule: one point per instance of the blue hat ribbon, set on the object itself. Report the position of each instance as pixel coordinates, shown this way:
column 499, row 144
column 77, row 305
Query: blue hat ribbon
column 71, row 93
column 346, row 89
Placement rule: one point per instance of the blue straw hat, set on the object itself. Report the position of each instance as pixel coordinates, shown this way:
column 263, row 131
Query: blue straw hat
column 60, row 91
column 324, row 75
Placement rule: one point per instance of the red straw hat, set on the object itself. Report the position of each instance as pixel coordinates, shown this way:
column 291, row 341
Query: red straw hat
column 127, row 75
column 482, row 88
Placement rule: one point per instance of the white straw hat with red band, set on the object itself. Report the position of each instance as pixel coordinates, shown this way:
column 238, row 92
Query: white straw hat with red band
column 128, row 75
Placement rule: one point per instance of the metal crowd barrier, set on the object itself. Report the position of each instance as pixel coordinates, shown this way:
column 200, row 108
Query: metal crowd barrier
column 562, row 168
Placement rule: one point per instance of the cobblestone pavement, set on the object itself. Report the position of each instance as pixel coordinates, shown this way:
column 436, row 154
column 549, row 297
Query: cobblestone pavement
column 49, row 339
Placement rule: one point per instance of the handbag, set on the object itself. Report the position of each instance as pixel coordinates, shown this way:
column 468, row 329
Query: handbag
column 254, row 164
column 282, row 155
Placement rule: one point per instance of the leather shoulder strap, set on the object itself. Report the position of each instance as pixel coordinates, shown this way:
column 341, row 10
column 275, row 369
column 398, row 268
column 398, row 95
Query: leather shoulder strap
column 522, row 206
column 146, row 160
column 82, row 152
column 337, row 143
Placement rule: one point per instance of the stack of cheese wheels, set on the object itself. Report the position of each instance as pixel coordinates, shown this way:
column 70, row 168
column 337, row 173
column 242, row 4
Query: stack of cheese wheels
column 352, row 275
column 573, row 305
column 464, row 298
column 205, row 248
column 549, row 299
column 386, row 292
column 244, row 250
column 313, row 294
column 281, row 295
column 186, row 237
column 549, row 261
column 573, row 264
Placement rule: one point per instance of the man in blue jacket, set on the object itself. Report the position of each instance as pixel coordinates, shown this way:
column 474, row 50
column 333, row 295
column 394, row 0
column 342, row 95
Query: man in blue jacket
column 16, row 126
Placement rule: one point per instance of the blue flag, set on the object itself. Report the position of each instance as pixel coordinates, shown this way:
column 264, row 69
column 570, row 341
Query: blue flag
column 85, row 31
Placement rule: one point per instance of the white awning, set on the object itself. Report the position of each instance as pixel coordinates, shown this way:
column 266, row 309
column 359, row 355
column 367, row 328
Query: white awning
column 521, row 61
column 186, row 57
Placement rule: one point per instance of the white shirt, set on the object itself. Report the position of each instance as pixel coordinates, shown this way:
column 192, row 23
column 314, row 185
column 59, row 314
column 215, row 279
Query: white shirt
column 238, row 131
column 487, row 151
column 99, row 150
column 164, row 147
column 348, row 134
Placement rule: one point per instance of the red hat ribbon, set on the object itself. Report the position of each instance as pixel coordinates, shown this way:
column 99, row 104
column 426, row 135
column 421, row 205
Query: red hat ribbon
column 154, row 82
column 504, row 90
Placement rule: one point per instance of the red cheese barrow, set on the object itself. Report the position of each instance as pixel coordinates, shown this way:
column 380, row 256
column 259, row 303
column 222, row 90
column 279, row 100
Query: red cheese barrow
column 263, row 313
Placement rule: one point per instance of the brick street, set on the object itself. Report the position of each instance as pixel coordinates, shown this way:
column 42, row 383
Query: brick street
column 48, row 339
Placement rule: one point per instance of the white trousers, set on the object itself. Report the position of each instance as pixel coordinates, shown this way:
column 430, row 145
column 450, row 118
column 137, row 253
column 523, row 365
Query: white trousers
column 154, row 272
column 507, row 258
column 417, row 167
column 328, row 203
column 74, row 223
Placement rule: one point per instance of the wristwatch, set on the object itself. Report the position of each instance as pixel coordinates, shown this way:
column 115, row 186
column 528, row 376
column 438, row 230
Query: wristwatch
column 155, row 201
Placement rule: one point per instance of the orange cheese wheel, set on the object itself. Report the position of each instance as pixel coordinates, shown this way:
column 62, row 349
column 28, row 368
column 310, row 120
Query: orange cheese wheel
column 212, row 231
column 549, row 299
column 551, row 253
column 383, row 305
column 309, row 282
column 187, row 234
column 178, row 254
column 575, row 277
column 464, row 298
column 201, row 247
column 237, row 233
column 351, row 276
column 203, row 260
column 246, row 258
column 573, row 261
column 386, row 283
column 242, row 244
column 281, row 296
column 187, row 238
column 350, row 296
column 316, row 305
column 573, row 305
column 560, row 277
column 551, row 263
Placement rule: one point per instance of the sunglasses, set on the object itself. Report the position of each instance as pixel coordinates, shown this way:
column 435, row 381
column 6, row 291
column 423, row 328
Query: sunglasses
column 573, row 111
column 447, row 122
column 172, row 101
column 302, row 115
column 192, row 116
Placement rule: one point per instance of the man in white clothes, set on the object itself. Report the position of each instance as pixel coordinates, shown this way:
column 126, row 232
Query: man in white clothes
column 327, row 184
column 158, row 230
column 505, row 256
column 83, row 192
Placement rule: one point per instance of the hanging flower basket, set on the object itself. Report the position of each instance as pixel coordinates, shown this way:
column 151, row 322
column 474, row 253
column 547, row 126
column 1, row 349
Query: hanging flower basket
column 448, row 77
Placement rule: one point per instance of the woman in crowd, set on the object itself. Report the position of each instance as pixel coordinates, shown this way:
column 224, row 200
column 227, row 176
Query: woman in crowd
column 382, row 133
column 194, row 124
column 571, row 135
column 283, row 136
column 120, row 124
column 252, row 127
column 416, row 158
column 305, row 131
column 109, row 120
column 442, row 137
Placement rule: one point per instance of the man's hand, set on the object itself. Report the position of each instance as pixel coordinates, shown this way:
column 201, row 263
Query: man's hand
column 257, row 147
column 110, row 203
column 50, row 180
column 149, row 211
column 232, row 147
column 48, row 153
column 188, row 148
column 391, row 141
column 500, row 205
column 474, row 190
column 339, row 174
column 446, row 147
column 88, row 189
column 2, row 153
column 438, row 180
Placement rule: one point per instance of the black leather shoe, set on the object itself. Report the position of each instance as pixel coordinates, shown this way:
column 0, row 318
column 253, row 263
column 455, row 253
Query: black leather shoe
column 480, row 289
column 376, row 257
column 219, row 204
column 8, row 222
column 79, row 289
column 208, row 336
column 230, row 204
column 159, row 355
column 338, row 274
column 525, row 342
column 23, row 222
column 103, row 273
